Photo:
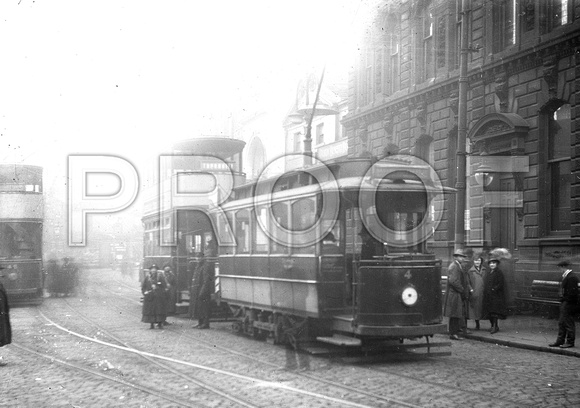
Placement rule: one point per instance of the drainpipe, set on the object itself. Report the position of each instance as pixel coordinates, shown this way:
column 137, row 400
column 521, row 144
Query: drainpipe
column 460, row 183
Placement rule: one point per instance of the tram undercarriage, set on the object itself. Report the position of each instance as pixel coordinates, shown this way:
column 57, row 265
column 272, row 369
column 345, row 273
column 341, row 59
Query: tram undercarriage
column 318, row 336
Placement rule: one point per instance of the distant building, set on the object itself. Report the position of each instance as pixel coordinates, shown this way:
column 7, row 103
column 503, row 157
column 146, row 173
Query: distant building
column 327, row 133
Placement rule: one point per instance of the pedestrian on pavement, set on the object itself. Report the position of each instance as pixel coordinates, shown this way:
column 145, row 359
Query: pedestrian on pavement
column 53, row 277
column 154, row 297
column 171, row 291
column 203, row 286
column 568, row 307
column 476, row 276
column 70, row 276
column 494, row 303
column 455, row 295
column 5, row 329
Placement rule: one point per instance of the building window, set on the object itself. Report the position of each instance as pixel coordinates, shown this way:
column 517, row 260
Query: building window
column 428, row 63
column 379, row 56
column 441, row 42
column 554, row 13
column 320, row 133
column 298, row 142
column 559, row 170
column 504, row 24
column 458, row 22
column 368, row 85
column 528, row 13
column 392, row 67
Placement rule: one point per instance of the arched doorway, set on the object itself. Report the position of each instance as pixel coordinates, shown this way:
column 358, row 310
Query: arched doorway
column 496, row 194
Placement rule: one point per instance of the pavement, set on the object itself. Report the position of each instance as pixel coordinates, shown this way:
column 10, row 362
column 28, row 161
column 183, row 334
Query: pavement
column 525, row 331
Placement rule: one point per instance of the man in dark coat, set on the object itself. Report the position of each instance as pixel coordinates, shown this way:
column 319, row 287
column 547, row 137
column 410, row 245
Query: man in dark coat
column 370, row 246
column 455, row 295
column 568, row 306
column 5, row 329
column 203, row 286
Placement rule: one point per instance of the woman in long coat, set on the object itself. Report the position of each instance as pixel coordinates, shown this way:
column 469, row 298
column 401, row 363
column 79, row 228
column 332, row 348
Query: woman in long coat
column 154, row 297
column 494, row 303
column 5, row 329
column 476, row 275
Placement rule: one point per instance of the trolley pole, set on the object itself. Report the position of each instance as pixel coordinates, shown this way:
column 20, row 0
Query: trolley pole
column 460, row 183
column 309, row 119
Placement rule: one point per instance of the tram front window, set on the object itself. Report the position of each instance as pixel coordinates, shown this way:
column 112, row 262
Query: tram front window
column 20, row 240
column 402, row 217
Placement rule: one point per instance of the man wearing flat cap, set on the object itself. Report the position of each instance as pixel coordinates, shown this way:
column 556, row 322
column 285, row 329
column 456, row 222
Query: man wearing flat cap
column 455, row 294
column 568, row 306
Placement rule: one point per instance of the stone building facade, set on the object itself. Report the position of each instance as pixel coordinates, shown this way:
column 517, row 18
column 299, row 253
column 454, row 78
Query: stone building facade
column 523, row 136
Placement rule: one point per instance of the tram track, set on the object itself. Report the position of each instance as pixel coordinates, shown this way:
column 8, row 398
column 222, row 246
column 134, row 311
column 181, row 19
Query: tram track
column 344, row 388
column 153, row 359
column 455, row 388
column 353, row 389
column 255, row 382
column 145, row 389
column 465, row 365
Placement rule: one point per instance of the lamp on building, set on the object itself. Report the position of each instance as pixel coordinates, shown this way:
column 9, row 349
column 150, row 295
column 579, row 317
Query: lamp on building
column 484, row 175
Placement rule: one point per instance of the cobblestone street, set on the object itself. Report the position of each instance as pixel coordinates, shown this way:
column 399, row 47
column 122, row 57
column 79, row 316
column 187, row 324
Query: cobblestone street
column 92, row 350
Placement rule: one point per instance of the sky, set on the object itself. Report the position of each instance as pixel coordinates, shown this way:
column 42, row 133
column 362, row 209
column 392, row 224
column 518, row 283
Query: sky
column 129, row 77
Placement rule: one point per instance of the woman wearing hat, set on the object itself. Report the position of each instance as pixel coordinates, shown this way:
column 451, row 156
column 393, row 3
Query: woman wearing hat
column 494, row 303
column 154, row 298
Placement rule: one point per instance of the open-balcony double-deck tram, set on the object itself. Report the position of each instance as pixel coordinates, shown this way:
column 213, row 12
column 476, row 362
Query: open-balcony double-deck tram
column 334, row 252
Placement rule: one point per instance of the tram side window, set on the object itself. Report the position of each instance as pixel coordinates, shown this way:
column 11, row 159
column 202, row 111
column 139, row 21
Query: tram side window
column 224, row 230
column 193, row 244
column 242, row 226
column 281, row 214
column 20, row 240
column 260, row 239
column 303, row 218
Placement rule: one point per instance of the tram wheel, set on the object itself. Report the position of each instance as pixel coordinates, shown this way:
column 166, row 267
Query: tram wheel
column 279, row 337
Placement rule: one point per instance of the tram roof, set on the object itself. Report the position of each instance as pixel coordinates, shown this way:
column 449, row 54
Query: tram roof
column 221, row 146
column 19, row 166
column 365, row 184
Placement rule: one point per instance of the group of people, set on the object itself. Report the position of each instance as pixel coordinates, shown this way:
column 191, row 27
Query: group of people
column 159, row 290
column 63, row 279
column 475, row 293
column 159, row 296
column 479, row 293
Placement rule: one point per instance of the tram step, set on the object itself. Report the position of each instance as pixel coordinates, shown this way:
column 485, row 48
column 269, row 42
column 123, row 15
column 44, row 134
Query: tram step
column 182, row 308
column 339, row 340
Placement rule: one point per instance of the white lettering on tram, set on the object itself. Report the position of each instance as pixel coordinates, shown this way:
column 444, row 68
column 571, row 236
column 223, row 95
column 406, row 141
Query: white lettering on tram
column 83, row 199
